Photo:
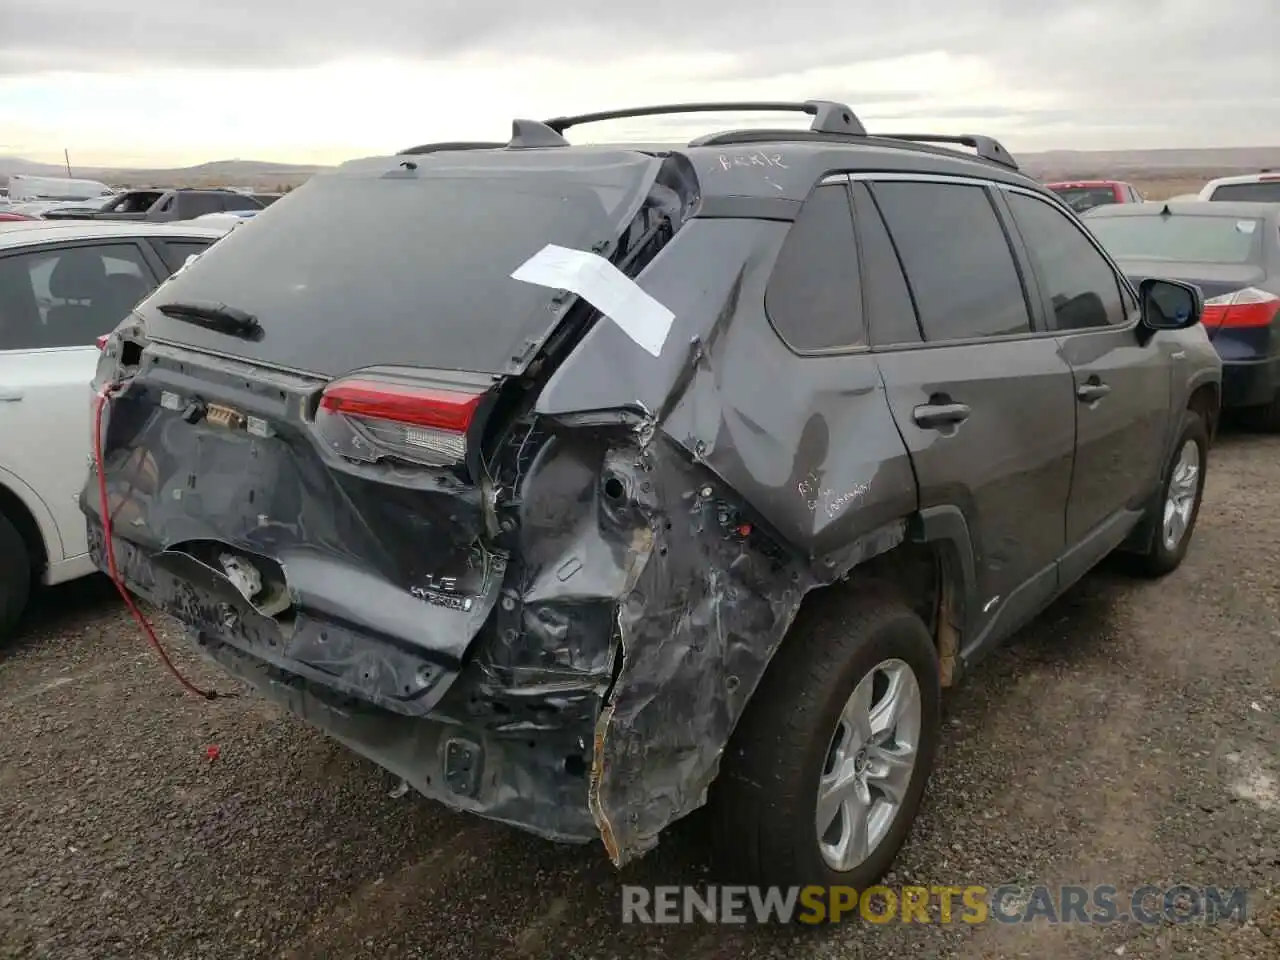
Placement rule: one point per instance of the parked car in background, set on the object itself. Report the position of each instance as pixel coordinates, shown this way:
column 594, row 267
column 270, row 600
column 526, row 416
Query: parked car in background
column 26, row 187
column 230, row 218
column 1230, row 250
column 162, row 206
column 62, row 287
column 9, row 216
column 518, row 517
column 1261, row 187
column 1082, row 195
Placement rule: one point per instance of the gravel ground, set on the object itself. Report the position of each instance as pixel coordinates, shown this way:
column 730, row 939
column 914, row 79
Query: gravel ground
column 1131, row 735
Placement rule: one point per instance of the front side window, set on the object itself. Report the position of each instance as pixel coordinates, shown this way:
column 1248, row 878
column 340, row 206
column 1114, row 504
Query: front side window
column 1081, row 286
column 68, row 297
column 956, row 259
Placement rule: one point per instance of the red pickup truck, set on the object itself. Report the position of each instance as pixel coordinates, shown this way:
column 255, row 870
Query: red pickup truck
column 1082, row 195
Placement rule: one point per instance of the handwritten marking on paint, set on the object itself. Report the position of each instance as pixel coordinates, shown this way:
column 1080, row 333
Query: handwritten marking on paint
column 766, row 161
column 818, row 497
column 605, row 287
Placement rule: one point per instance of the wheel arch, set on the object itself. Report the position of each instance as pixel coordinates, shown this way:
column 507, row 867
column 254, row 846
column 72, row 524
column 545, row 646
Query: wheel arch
column 29, row 515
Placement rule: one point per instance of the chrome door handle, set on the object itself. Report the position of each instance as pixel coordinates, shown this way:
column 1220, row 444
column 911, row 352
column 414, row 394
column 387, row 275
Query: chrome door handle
column 1091, row 392
column 10, row 396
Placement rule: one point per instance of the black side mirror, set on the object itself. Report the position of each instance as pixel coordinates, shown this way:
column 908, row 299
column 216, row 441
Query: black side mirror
column 1170, row 304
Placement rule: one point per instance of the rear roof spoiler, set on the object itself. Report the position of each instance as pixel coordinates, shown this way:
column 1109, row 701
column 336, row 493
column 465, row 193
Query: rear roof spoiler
column 831, row 120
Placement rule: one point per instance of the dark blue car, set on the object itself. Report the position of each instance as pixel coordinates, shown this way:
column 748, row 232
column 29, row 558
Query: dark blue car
column 1232, row 252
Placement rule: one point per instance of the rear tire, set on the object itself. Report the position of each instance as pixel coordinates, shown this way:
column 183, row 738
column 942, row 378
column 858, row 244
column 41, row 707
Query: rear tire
column 764, row 805
column 15, row 577
column 1165, row 555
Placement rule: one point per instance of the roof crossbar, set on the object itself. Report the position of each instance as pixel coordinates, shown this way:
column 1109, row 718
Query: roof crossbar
column 988, row 148
column 828, row 116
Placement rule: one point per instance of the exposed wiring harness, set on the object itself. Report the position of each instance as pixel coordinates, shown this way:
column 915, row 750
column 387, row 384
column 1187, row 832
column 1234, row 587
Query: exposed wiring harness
column 103, row 396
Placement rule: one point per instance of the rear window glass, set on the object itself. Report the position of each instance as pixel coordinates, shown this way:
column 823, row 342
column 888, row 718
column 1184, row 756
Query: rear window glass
column 365, row 266
column 1081, row 199
column 1193, row 239
column 1260, row 191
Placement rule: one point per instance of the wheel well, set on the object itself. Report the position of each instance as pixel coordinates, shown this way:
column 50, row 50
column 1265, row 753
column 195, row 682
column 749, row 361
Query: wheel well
column 928, row 579
column 16, row 512
column 1205, row 401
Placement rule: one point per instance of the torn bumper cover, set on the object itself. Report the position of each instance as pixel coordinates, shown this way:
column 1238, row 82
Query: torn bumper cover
column 618, row 648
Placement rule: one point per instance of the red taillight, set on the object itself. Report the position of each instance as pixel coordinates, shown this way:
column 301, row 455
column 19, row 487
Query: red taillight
column 422, row 406
column 1249, row 307
column 370, row 419
column 102, row 341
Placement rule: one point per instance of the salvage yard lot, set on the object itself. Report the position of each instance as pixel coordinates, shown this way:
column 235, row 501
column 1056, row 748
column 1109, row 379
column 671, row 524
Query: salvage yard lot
column 1131, row 735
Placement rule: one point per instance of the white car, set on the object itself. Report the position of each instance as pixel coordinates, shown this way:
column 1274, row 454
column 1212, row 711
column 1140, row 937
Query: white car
column 1261, row 187
column 63, row 285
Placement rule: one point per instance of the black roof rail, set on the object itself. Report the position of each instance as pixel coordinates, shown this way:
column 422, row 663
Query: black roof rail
column 525, row 135
column 451, row 145
column 988, row 148
column 828, row 116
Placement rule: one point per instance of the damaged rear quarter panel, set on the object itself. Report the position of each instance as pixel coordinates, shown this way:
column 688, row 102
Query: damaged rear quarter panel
column 761, row 474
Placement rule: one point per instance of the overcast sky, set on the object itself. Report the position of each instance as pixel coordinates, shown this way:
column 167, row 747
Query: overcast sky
column 150, row 82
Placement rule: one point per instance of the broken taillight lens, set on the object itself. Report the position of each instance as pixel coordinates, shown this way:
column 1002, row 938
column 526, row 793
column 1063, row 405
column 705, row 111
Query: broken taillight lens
column 370, row 419
column 1249, row 307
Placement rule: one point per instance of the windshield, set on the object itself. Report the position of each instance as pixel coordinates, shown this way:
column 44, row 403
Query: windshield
column 1193, row 239
column 364, row 267
column 1081, row 199
column 1260, row 191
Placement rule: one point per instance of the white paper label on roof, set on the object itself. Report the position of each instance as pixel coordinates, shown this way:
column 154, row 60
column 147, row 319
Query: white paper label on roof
column 605, row 287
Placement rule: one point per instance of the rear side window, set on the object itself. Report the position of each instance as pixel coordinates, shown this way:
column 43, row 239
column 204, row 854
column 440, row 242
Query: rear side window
column 238, row 201
column 68, row 297
column 174, row 253
column 956, row 258
column 197, row 204
column 1262, row 191
column 1081, row 199
column 891, row 316
column 1080, row 284
column 813, row 298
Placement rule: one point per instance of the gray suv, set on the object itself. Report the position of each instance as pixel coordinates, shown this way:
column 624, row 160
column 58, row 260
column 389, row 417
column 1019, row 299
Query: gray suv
column 581, row 486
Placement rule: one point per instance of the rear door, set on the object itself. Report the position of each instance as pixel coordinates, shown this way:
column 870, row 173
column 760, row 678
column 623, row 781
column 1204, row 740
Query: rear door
column 983, row 401
column 55, row 301
column 1123, row 387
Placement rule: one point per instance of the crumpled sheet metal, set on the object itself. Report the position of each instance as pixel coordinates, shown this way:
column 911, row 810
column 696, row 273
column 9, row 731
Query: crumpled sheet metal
column 697, row 631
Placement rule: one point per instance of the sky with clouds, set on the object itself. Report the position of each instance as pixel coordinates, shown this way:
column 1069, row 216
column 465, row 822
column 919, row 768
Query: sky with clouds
column 159, row 82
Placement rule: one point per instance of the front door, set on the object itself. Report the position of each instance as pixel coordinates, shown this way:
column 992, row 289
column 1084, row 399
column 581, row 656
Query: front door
column 1122, row 385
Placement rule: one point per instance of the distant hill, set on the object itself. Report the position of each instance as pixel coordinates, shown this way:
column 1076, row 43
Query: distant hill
column 1131, row 164
column 1152, row 163
column 252, row 173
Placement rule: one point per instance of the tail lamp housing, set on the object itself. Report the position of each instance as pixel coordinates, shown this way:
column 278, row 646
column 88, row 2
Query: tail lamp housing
column 1249, row 307
column 370, row 417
